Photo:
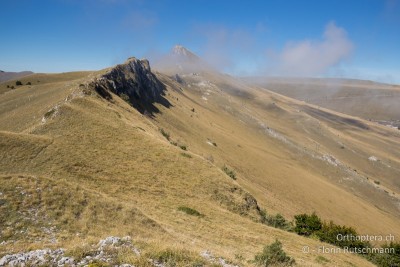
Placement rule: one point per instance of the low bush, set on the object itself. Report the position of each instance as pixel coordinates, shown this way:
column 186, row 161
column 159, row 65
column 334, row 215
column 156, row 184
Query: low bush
column 390, row 257
column 189, row 211
column 186, row 155
column 327, row 232
column 183, row 147
column 277, row 221
column 321, row 259
column 273, row 255
column 165, row 134
column 307, row 224
column 341, row 236
column 49, row 113
column 229, row 172
column 18, row 83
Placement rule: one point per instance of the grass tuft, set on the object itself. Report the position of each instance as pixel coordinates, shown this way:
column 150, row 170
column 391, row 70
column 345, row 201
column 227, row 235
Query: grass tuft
column 165, row 134
column 229, row 172
column 189, row 211
column 173, row 257
column 321, row 259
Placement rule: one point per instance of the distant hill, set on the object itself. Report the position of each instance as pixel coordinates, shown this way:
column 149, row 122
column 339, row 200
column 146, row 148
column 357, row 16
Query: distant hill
column 365, row 99
column 6, row 76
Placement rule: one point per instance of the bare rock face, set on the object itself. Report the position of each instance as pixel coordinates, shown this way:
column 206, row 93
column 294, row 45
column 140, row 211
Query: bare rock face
column 134, row 82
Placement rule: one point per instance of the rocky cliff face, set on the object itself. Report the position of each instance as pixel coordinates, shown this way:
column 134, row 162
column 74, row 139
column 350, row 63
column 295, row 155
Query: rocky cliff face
column 134, row 82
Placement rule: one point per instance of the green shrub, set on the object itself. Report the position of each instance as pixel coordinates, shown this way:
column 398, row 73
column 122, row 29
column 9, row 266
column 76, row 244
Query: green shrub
column 307, row 224
column 263, row 215
column 229, row 172
column 189, row 211
column 28, row 83
column 343, row 236
column 186, row 155
column 277, row 221
column 18, row 83
column 183, row 147
column 273, row 255
column 387, row 259
column 165, row 134
column 340, row 236
column 49, row 113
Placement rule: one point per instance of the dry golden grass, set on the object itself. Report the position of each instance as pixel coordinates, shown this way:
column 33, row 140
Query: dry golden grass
column 94, row 169
column 277, row 147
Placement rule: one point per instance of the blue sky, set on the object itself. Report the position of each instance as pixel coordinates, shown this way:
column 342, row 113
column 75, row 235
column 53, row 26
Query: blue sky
column 342, row 38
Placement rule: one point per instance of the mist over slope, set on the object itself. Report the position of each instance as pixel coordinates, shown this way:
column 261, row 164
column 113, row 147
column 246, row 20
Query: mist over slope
column 140, row 152
column 365, row 99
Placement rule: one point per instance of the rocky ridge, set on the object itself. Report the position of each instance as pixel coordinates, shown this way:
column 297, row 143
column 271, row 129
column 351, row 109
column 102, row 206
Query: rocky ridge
column 134, row 82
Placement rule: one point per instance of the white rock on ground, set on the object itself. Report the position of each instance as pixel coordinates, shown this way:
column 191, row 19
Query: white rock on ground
column 373, row 158
column 221, row 261
column 57, row 257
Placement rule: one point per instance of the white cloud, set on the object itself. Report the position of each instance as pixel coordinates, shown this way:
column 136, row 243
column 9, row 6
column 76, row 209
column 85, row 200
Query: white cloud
column 223, row 47
column 313, row 57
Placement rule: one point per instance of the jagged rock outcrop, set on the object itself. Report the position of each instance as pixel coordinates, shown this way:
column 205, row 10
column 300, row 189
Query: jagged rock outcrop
column 135, row 83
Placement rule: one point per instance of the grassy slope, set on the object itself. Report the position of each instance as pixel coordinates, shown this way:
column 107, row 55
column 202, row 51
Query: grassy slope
column 93, row 169
column 284, row 165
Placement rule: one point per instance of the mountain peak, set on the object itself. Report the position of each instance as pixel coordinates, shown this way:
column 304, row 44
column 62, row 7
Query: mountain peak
column 182, row 52
column 181, row 60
